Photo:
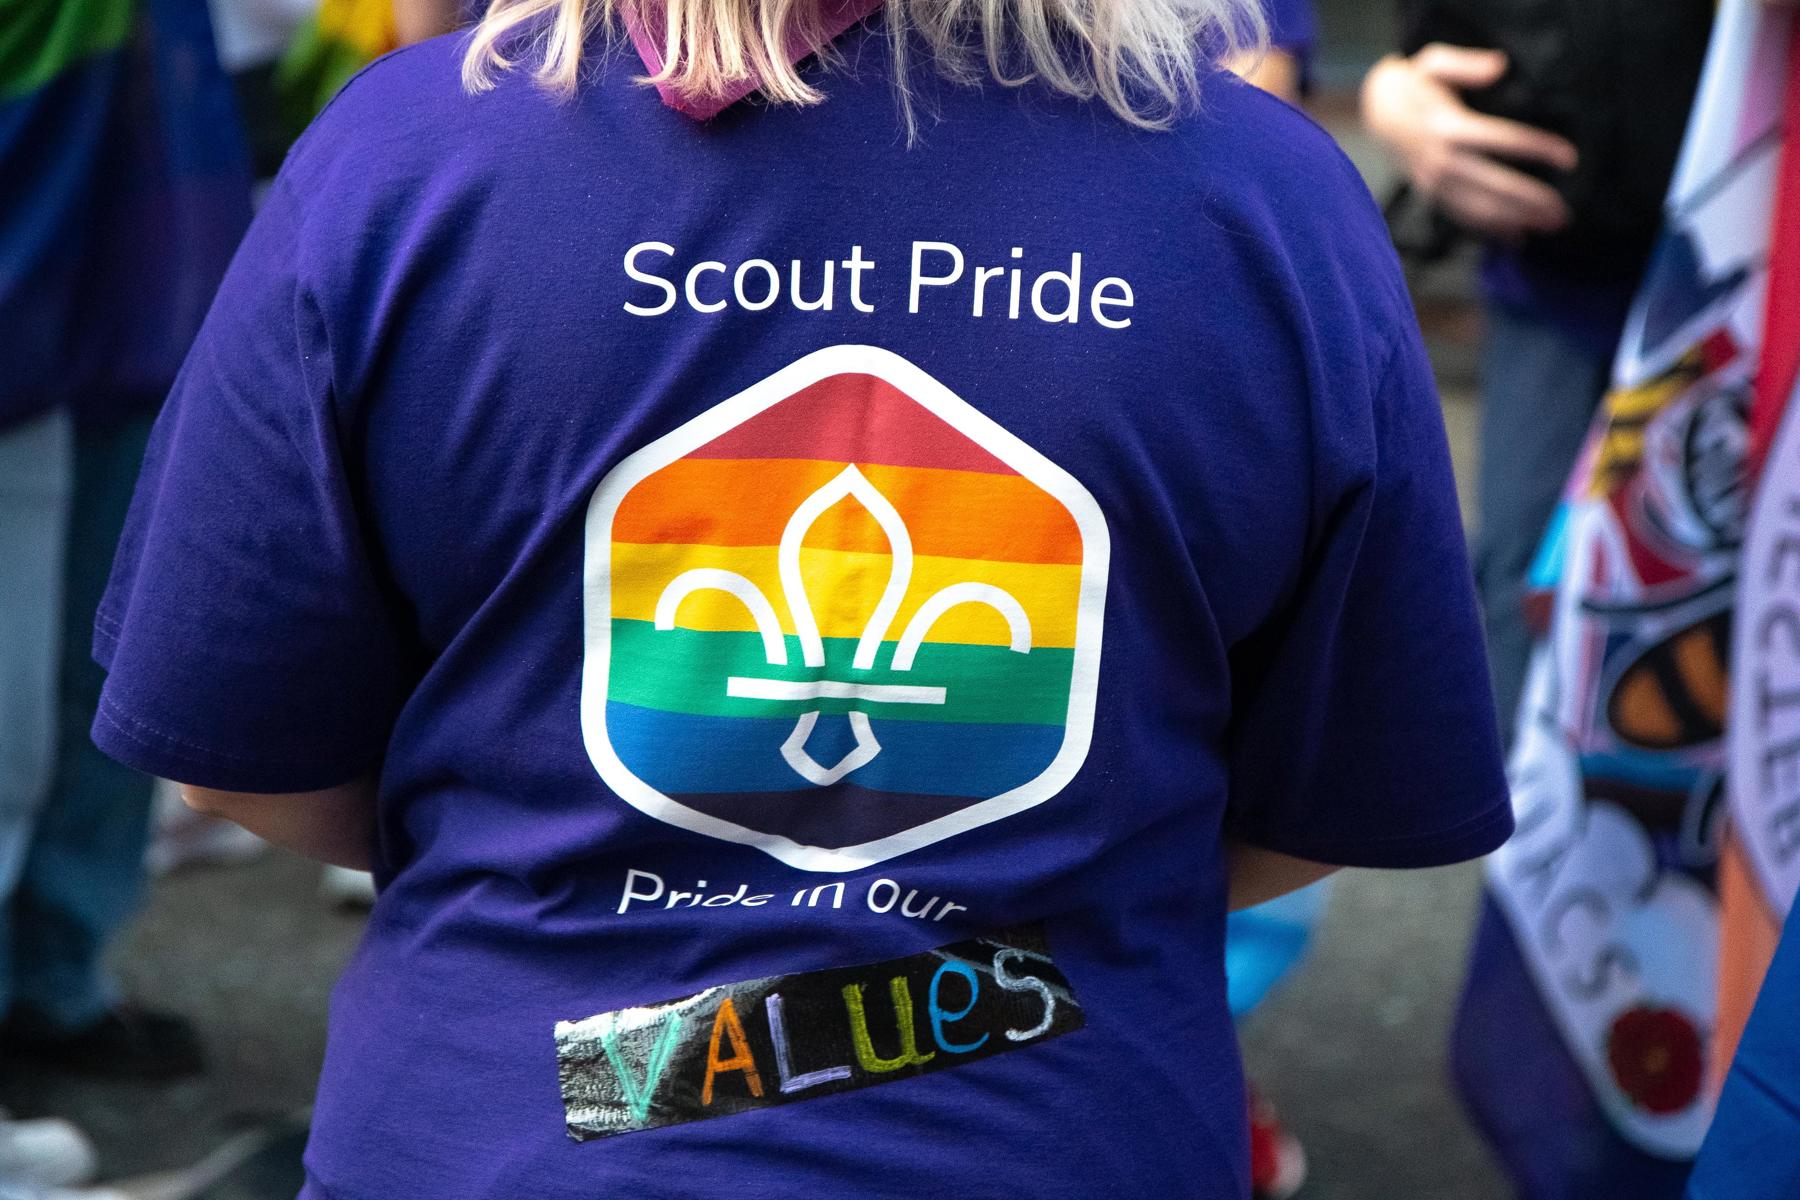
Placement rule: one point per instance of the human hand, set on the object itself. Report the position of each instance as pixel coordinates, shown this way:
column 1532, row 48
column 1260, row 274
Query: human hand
column 1452, row 153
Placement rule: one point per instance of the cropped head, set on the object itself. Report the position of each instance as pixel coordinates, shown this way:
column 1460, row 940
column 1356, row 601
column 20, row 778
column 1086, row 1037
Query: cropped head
column 1142, row 58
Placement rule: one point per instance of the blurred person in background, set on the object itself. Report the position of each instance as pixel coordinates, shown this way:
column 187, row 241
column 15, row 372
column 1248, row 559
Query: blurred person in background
column 527, row 402
column 1549, row 132
column 1553, row 132
column 1285, row 69
column 254, row 36
column 125, row 191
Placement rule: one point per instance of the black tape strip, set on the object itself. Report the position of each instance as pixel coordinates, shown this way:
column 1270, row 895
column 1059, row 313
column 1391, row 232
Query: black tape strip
column 786, row 1038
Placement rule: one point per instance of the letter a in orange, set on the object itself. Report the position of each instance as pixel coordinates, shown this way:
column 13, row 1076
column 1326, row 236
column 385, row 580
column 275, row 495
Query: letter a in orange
column 741, row 1059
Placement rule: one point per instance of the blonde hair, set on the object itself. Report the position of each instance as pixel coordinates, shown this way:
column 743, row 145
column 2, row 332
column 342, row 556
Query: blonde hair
column 1139, row 57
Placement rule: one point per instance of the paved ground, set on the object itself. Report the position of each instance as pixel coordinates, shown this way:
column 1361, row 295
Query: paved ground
column 1352, row 1050
column 251, row 953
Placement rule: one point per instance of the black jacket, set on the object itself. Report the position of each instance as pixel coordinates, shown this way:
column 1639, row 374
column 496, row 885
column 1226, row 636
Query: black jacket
column 1617, row 78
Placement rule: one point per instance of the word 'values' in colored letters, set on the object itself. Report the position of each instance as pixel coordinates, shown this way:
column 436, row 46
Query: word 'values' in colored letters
column 784, row 1038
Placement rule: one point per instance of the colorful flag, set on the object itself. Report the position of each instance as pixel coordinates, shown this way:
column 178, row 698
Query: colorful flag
column 1584, row 1041
column 341, row 39
column 1765, row 733
column 1764, row 737
column 123, row 191
column 1761, row 868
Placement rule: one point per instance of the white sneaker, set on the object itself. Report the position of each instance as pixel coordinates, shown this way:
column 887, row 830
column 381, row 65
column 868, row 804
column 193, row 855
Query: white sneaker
column 346, row 888
column 45, row 1153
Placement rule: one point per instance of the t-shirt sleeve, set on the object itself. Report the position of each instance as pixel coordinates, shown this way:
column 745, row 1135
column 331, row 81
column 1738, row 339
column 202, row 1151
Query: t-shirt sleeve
column 1363, row 732
column 248, row 642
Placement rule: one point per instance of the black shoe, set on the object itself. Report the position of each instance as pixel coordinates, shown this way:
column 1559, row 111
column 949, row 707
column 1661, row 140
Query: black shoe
column 127, row 1043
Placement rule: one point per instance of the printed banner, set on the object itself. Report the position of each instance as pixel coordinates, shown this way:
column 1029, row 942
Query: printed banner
column 1765, row 732
column 763, row 1042
column 1758, row 870
column 1605, row 896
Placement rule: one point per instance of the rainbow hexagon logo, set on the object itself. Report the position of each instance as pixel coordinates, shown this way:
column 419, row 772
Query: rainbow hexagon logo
column 840, row 616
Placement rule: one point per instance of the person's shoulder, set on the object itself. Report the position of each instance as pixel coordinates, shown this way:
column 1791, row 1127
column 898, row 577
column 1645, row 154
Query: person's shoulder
column 409, row 111
column 399, row 91
column 1265, row 169
column 1243, row 133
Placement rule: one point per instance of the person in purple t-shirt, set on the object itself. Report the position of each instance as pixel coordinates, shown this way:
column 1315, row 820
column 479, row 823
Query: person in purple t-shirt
column 814, row 599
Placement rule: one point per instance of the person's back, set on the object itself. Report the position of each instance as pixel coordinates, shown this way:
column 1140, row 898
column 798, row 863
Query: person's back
column 759, row 553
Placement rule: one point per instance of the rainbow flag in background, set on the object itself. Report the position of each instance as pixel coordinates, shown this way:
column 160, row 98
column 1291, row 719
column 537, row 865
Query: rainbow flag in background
column 124, row 188
column 42, row 39
column 343, row 37
column 60, row 70
column 841, row 616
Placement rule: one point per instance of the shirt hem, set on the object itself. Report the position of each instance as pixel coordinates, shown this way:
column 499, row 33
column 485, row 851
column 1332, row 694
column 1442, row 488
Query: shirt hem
column 106, row 639
column 1481, row 834
column 133, row 742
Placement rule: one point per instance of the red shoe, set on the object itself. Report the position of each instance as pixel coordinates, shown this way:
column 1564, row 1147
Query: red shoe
column 1277, row 1164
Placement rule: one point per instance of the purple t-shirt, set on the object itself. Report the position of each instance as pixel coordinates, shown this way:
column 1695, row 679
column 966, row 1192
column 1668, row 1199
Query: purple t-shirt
column 817, row 609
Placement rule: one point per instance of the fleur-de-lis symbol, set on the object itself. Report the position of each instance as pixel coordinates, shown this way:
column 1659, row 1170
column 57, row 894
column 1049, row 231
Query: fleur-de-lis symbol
column 849, row 484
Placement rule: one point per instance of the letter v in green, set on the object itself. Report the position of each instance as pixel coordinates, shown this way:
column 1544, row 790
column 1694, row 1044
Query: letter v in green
column 903, row 1018
column 638, row 1098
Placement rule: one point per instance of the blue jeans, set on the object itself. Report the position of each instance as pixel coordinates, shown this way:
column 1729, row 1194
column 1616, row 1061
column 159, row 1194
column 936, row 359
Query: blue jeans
column 72, row 822
column 1540, row 387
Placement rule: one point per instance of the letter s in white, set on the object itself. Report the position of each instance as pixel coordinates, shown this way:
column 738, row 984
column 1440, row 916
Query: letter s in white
column 639, row 310
column 1025, row 983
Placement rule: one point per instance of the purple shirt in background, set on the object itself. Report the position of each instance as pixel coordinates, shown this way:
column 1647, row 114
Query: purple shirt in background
column 1592, row 311
column 1294, row 27
column 512, row 464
